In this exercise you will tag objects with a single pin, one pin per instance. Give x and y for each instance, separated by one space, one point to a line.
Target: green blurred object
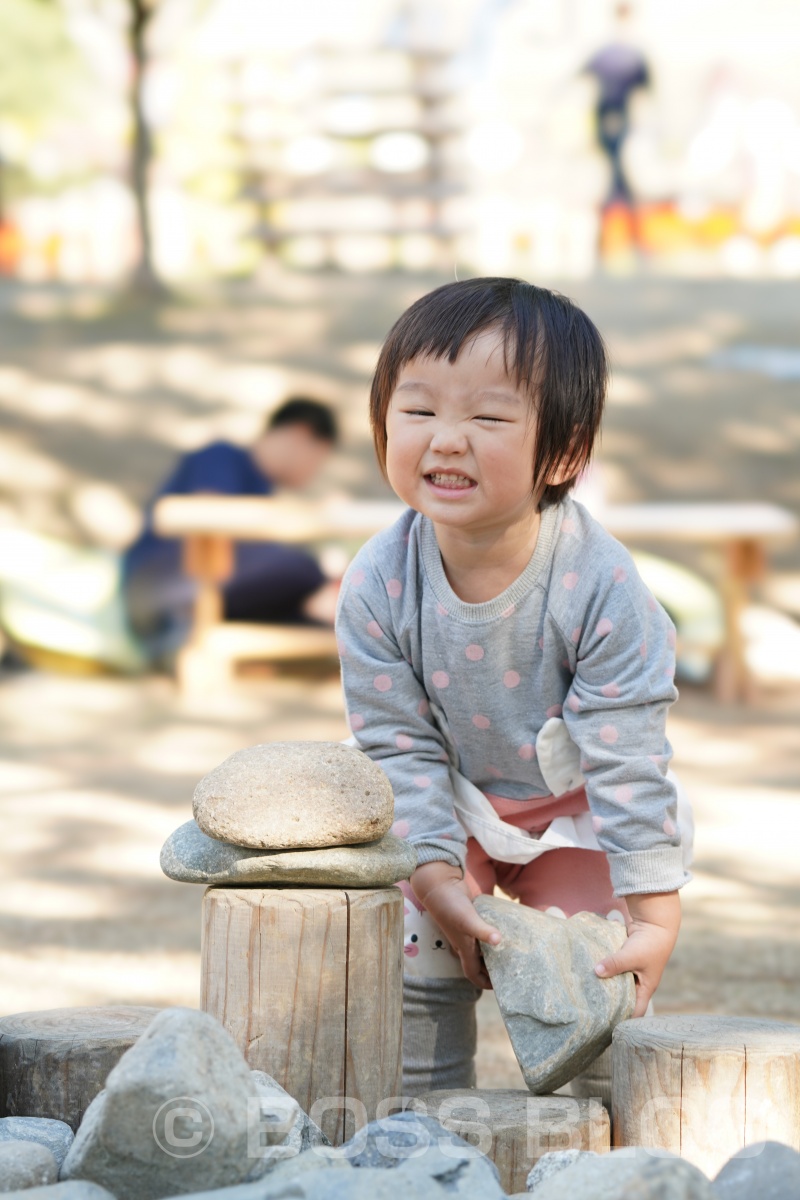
695 608
61 604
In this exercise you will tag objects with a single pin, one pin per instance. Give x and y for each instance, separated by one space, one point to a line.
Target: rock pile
291 813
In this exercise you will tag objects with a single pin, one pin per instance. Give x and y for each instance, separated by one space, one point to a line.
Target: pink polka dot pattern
441 610
611 690
604 627
511 679
356 722
620 574
570 580
623 794
382 683
374 629
358 577
541 643
671 638
440 679
575 636
495 772
423 708
609 734
395 588
656 758
480 721
401 829
527 751
555 710
669 828
508 612
652 603
574 704
404 742
340 646
597 824
643 649
474 652
567 525
422 781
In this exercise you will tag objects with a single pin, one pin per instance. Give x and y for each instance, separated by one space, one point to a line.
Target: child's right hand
440 888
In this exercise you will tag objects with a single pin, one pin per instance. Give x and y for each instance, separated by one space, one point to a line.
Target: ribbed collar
514 593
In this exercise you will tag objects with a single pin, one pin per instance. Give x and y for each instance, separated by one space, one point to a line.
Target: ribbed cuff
441 851
641 872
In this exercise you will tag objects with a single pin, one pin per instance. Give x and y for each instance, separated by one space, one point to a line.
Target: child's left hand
652 933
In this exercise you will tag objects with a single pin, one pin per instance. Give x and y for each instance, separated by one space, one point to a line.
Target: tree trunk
144 276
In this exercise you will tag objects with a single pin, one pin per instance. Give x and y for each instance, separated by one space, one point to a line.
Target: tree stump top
708 1032
90 1024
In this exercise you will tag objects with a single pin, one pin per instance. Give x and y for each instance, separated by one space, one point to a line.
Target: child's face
461 438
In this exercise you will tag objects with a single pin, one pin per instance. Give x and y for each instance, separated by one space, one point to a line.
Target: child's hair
551 348
300 410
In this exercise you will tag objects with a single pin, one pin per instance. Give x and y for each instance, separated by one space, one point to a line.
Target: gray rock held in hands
558 1013
44 1131
190 856
26 1165
630 1174
291 795
763 1171
179 1112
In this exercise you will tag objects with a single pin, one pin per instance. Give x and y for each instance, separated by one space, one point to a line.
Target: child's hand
440 888
652 933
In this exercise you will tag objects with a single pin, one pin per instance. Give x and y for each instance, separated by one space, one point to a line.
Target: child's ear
571 464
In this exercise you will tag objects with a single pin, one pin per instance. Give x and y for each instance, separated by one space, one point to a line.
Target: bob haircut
551 348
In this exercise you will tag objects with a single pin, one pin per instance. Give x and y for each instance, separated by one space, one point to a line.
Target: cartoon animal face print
426 950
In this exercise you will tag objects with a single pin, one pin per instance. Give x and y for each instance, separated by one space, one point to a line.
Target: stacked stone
290 813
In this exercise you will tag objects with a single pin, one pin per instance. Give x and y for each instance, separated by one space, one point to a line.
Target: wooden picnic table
209 525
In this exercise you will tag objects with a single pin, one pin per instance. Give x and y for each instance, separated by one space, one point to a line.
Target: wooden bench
209 526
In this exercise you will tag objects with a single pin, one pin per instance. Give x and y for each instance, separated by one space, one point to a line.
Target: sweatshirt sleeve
390 717
615 711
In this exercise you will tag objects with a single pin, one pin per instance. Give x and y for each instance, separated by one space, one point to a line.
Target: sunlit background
209 205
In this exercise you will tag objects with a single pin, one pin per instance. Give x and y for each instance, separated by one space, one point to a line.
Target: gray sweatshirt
577 635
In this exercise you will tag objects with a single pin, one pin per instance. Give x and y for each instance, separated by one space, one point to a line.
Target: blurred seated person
270 582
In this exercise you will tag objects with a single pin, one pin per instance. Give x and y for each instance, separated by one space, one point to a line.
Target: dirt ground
95 772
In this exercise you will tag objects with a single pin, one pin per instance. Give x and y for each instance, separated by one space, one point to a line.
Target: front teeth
452 480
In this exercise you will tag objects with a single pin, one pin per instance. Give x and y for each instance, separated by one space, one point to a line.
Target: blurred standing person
270 581
619 68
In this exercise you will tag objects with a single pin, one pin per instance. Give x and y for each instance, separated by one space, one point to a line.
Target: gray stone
55 1135
178 1112
303 1135
370 1183
190 856
559 1015
293 795
426 1150
630 1174
78 1189
26 1165
763 1171
552 1163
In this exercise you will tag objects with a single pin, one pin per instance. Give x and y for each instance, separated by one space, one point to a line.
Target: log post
514 1128
308 981
53 1063
705 1086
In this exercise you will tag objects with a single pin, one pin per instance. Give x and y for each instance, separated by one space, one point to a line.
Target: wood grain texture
705 1086
515 1128
53 1063
308 981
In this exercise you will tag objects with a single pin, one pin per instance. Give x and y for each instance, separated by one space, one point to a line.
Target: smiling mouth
451 480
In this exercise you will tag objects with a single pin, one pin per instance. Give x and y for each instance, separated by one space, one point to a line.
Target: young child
501 658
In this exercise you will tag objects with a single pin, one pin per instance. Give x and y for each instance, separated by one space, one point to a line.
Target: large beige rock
559 1015
286 795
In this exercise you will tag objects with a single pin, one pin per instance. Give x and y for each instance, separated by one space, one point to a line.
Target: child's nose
448 439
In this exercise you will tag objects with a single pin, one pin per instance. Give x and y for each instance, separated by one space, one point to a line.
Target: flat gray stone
553 1163
763 1171
55 1135
420 1149
26 1165
630 1174
179 1112
190 856
295 795
370 1183
78 1189
559 1015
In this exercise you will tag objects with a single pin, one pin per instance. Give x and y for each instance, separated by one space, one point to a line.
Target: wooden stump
309 983
54 1063
705 1086
515 1128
